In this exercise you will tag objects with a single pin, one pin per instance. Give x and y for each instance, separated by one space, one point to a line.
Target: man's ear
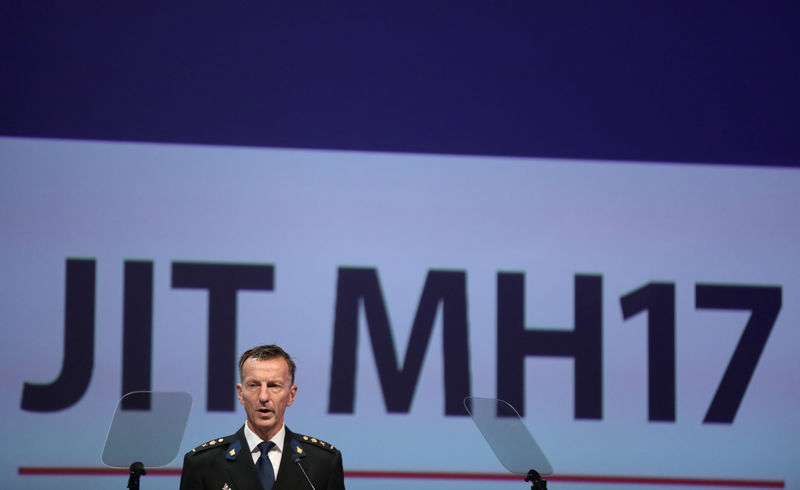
239 392
293 391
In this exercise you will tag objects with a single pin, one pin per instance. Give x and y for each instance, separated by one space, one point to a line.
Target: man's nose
263 394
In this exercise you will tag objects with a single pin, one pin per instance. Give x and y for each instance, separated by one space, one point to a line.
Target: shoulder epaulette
316 442
212 443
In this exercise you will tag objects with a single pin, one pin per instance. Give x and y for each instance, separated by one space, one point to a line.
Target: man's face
265 391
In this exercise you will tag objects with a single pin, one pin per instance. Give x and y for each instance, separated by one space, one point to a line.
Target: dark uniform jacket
226 463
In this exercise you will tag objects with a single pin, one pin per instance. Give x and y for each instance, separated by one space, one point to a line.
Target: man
235 462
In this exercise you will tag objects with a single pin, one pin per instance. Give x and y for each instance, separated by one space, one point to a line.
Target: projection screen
646 330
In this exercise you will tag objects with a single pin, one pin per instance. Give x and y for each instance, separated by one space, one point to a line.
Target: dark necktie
264 466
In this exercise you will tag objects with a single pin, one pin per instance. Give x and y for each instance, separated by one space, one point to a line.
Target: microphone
297 460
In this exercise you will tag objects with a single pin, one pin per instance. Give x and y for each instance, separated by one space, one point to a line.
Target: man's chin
263 424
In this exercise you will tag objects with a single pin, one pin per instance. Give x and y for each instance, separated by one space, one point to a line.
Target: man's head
266 388
264 353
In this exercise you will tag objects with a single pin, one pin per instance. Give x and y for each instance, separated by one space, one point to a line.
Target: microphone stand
137 470
297 460
536 480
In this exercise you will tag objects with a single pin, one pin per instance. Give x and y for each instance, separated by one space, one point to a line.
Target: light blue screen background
310 212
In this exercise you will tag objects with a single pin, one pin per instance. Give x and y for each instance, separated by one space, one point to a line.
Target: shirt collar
253 440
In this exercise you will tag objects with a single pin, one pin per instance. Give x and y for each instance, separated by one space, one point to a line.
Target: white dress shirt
274 454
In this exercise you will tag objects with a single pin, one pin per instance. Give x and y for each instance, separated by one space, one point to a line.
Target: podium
510 440
146 431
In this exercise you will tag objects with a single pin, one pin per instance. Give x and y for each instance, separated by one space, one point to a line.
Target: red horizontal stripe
712 482
72 471
425 475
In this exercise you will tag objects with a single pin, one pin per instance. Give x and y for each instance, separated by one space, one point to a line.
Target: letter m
360 286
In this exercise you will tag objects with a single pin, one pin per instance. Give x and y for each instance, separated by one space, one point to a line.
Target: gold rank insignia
317 442
232 452
226 487
214 443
